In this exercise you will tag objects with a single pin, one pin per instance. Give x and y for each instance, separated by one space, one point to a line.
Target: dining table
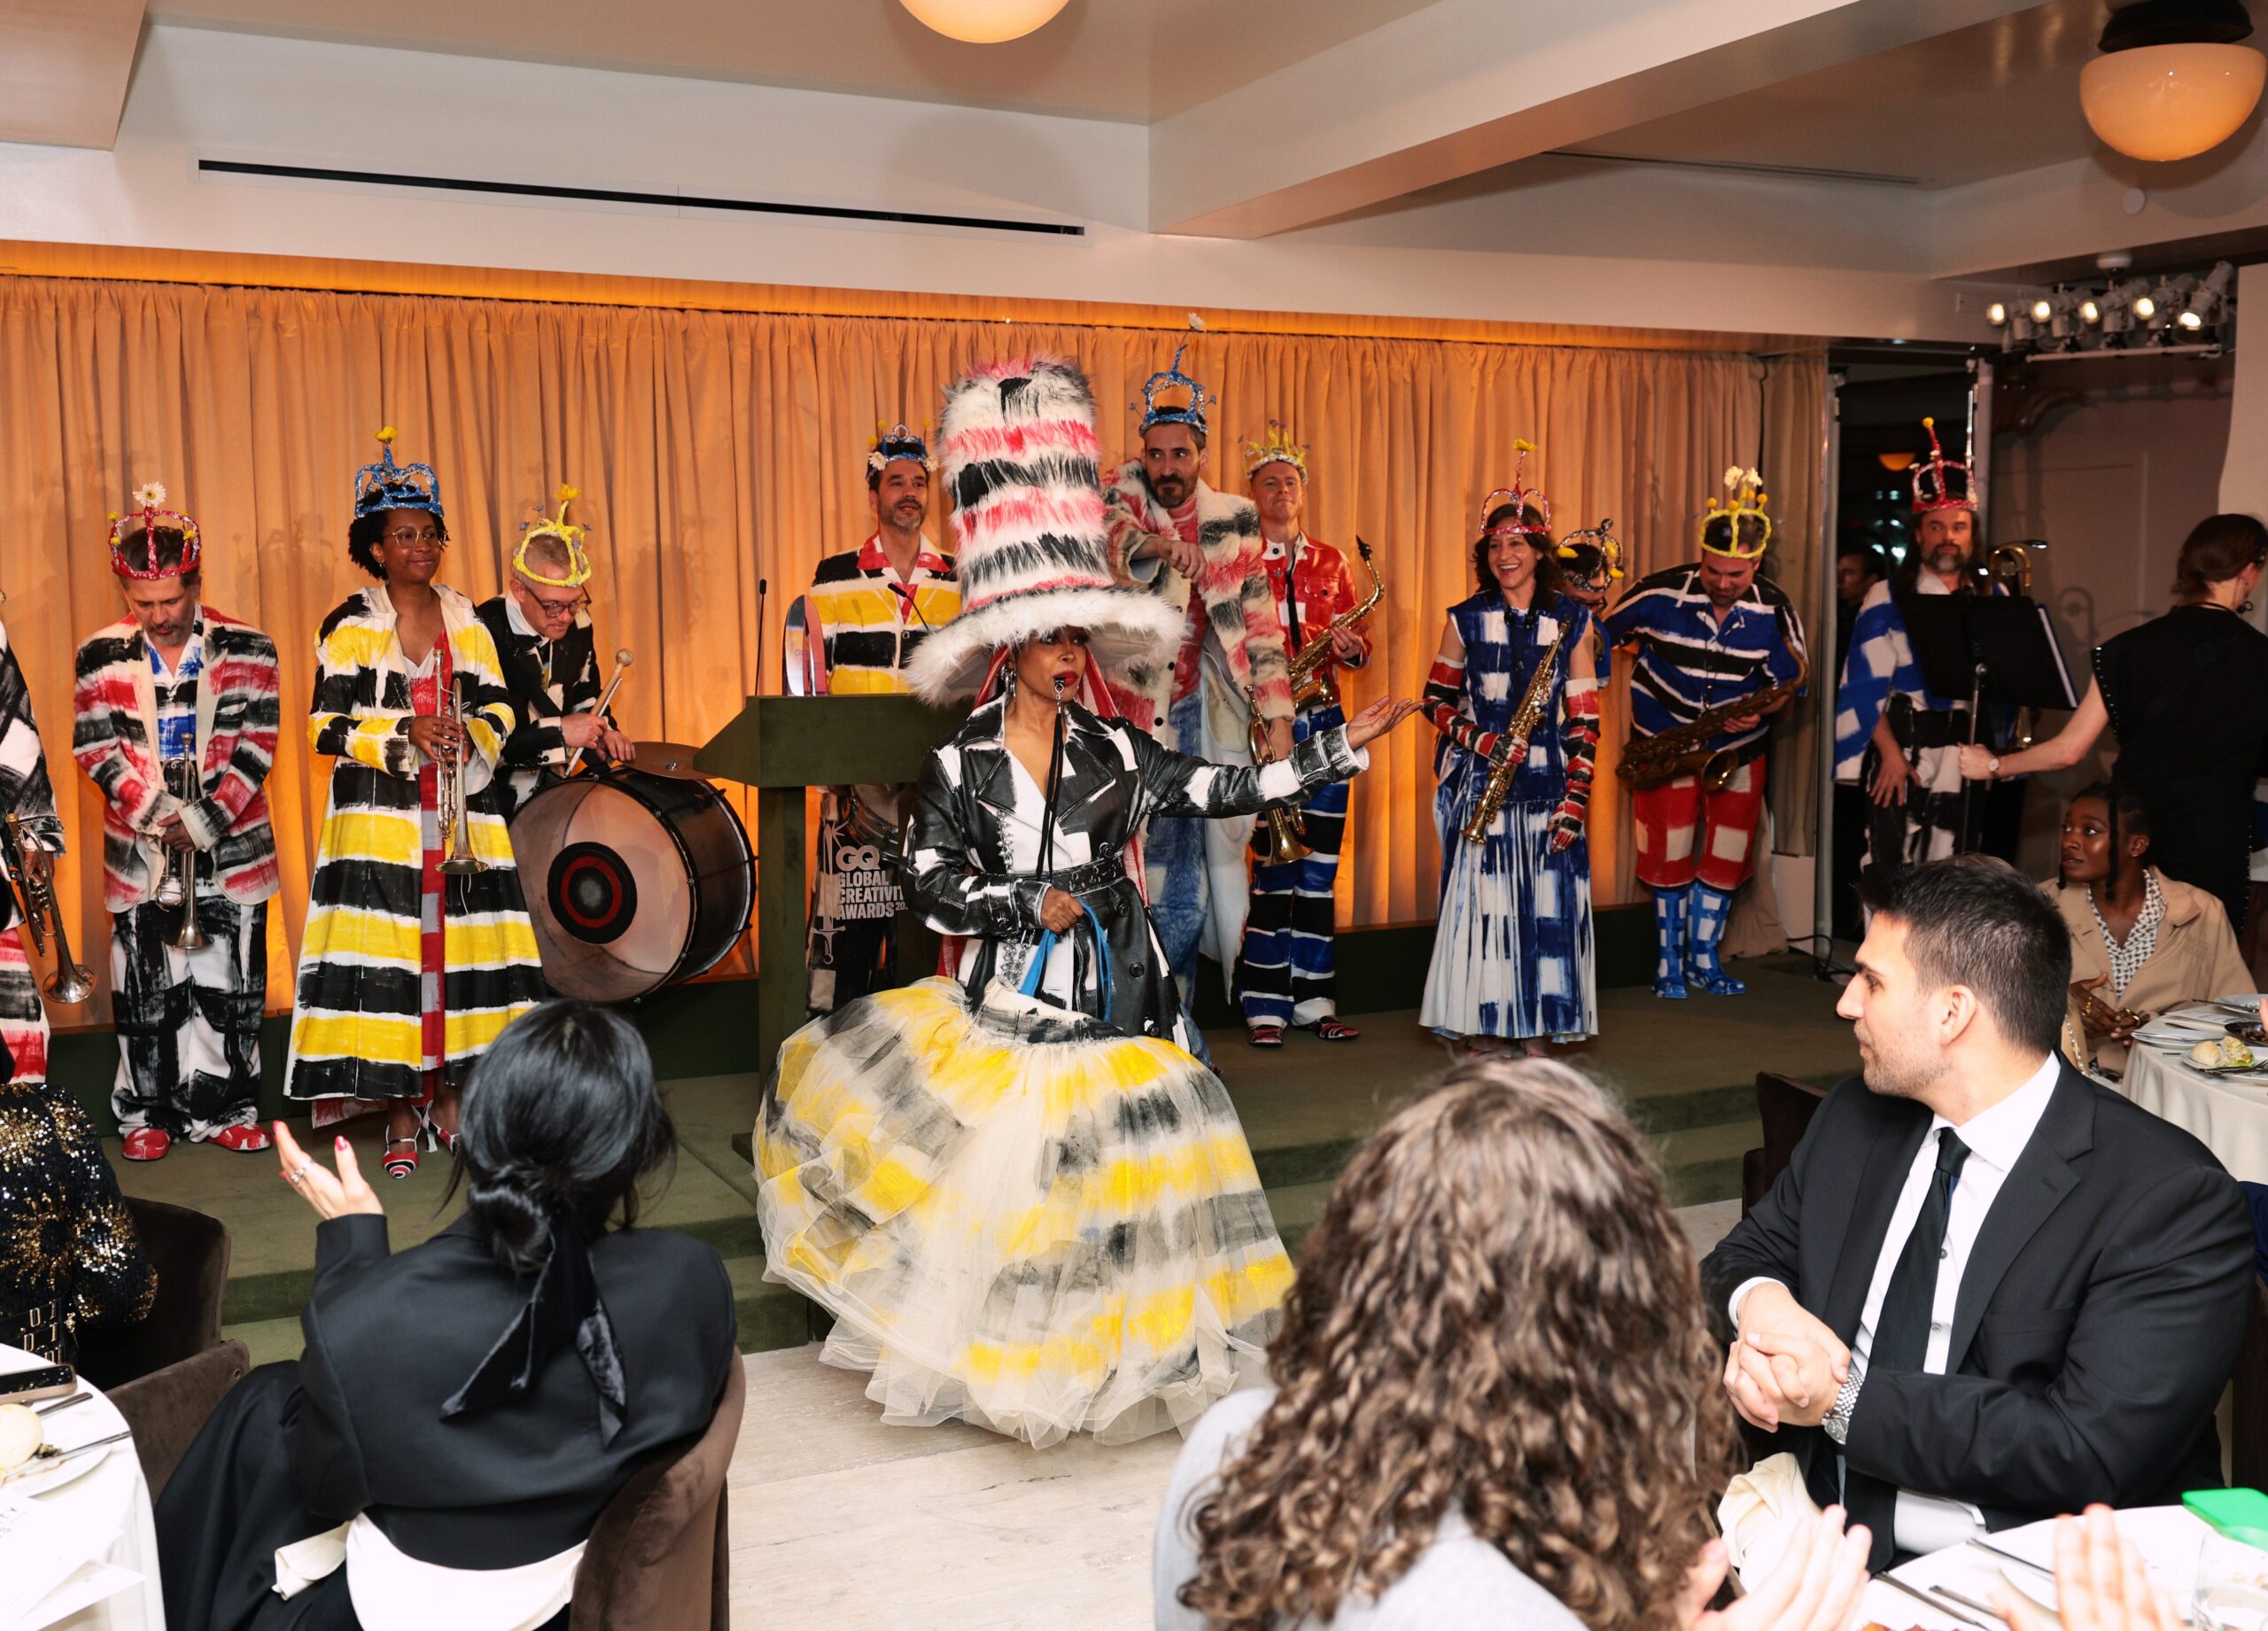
78 1546
2227 1114
2169 1539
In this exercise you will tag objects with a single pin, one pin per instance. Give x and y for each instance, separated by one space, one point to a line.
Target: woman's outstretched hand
330 1194
1376 720
1816 1587
2101 1584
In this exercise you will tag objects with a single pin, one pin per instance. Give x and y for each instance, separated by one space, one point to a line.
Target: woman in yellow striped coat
406 974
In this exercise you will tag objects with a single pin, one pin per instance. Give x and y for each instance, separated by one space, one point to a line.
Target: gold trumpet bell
1280 839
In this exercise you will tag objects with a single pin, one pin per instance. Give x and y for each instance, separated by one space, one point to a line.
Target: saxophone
1503 765
1311 665
1683 749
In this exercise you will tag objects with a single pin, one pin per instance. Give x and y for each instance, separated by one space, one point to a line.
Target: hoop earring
2246 606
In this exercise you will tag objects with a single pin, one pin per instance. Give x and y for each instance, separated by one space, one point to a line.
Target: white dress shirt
1995 1139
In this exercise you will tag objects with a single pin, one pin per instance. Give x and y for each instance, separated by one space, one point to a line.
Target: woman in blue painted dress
1512 966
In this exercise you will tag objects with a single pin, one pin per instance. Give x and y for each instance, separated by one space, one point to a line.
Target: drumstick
622 660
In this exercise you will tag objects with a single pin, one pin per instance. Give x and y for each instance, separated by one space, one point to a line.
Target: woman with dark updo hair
465 1407
2187 694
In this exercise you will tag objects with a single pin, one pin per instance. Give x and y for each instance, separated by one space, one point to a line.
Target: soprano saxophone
1311 665
1504 763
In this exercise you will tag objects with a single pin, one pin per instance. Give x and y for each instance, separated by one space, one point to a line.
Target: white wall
203 94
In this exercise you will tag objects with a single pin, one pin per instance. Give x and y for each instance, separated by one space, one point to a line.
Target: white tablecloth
112 1500
2169 1538
2228 1115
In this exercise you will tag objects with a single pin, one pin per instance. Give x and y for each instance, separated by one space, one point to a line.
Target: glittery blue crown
1190 413
387 486
898 441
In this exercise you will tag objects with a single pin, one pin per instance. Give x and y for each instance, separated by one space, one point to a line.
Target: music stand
1999 650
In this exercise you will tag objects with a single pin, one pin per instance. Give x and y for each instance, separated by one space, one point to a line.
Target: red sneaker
147 1143
243 1140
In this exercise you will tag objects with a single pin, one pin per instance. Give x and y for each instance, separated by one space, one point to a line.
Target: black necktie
1902 1334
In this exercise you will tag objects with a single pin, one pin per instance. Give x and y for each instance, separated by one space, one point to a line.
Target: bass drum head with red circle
633 881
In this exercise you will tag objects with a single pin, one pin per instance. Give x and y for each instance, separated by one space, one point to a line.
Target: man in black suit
1986 1289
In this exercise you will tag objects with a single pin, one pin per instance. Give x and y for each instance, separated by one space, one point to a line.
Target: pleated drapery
716 449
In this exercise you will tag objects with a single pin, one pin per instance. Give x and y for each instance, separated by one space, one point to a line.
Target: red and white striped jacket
113 738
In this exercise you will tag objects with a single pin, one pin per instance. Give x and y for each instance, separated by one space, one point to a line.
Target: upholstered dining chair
658 1559
190 1252
169 1407
1785 1106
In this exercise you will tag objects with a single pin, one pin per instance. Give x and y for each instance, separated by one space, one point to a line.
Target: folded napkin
1764 1509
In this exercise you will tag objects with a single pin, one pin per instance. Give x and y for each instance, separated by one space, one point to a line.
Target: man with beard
1201 551
1986 1289
868 611
1893 736
177 714
1708 633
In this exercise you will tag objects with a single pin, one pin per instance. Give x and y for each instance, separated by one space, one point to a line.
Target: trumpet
72 981
178 888
1311 664
1287 833
451 798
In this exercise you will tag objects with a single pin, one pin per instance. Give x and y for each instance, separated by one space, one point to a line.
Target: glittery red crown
150 498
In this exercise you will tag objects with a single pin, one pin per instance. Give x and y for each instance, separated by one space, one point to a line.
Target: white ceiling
1128 60
1995 99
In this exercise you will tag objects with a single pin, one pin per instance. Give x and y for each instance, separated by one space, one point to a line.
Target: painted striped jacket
238 710
1240 601
25 793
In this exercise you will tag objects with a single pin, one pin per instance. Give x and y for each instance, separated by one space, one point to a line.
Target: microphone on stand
763 585
913 604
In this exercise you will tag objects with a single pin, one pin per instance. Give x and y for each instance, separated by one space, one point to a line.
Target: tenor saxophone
1311 679
1683 749
1504 763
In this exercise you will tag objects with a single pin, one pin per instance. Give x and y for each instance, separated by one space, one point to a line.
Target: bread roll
21 1436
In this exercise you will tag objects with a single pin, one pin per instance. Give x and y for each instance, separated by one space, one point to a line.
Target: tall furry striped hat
1021 460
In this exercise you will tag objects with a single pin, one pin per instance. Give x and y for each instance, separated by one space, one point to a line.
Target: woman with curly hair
1497 1398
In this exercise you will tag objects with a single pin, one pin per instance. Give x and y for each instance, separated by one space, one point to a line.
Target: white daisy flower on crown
150 494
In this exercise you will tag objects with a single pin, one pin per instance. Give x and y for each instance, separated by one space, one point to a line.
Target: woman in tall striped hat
1023 1200
406 974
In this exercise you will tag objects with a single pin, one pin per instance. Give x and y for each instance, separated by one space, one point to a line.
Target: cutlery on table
1920 1595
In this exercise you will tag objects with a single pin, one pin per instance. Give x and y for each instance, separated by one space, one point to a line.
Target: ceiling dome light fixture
2172 81
984 22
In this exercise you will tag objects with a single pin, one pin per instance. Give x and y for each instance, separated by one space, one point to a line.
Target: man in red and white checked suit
177 713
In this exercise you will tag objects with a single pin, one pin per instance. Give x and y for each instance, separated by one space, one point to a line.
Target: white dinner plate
2040 1588
41 1482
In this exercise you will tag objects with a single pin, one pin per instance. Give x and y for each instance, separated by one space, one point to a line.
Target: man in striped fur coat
1200 550
177 714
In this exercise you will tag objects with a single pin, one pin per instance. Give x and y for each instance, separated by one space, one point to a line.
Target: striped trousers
1287 968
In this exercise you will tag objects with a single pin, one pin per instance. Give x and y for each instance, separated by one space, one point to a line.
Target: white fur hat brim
1125 626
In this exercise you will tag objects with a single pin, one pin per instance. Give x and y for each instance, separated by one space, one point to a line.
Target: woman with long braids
1025 1202
406 974
1497 1399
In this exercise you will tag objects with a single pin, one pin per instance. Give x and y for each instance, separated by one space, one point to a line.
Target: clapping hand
1816 1587
330 1194
2099 1583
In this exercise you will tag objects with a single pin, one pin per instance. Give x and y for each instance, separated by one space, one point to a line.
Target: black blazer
2097 1323
390 1338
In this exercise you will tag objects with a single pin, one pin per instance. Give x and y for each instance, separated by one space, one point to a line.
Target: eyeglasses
560 609
420 535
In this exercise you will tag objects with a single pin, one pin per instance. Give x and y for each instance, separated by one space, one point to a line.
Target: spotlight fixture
2090 312
2121 304
2172 81
1996 314
2176 312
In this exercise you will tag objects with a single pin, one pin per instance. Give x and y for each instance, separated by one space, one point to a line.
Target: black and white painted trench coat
973 848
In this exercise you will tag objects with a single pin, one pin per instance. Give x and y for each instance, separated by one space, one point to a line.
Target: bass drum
634 881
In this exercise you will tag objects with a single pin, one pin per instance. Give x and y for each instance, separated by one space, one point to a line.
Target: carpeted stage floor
1685 1070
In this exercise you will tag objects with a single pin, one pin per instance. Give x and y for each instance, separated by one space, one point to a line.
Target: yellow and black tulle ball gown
1035 1212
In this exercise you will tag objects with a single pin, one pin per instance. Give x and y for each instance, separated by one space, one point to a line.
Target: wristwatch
1993 768
1837 1419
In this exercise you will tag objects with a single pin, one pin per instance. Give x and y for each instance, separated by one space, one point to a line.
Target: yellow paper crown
579 564
1276 447
1739 529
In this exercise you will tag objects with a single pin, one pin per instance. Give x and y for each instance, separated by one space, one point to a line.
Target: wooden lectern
781 746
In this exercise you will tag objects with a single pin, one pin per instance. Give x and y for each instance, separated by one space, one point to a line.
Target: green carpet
1685 1071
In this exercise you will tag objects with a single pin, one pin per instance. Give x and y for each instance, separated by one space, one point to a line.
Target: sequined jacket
1114 780
69 1256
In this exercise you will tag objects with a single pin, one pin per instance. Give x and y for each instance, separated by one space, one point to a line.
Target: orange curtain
716 449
